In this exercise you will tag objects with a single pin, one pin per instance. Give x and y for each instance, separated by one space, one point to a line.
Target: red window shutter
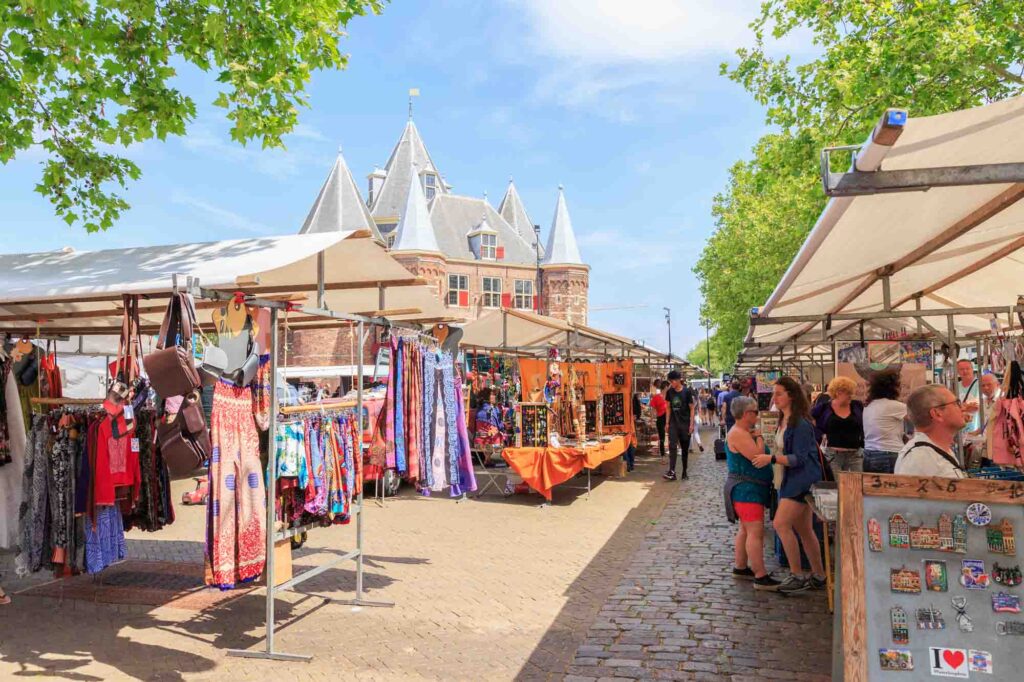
464 299
501 253
506 300
534 302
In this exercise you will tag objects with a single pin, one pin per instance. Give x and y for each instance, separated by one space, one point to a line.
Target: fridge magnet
874 535
1000 538
904 580
972 574
896 659
979 661
935 577
963 621
1010 627
945 533
960 534
930 618
979 514
1004 602
900 630
945 662
1010 576
899 532
924 537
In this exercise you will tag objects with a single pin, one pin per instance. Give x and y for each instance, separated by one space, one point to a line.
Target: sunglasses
749 411
957 402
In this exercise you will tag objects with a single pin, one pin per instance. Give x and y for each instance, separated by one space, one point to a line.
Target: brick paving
616 586
676 614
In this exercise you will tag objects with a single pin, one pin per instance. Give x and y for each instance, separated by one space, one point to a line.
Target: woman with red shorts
747 493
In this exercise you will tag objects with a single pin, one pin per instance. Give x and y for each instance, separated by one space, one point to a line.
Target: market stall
245 291
895 277
566 393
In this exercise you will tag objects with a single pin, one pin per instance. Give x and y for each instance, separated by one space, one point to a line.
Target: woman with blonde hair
839 425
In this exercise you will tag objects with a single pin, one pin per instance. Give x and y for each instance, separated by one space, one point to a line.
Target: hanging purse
171 369
183 438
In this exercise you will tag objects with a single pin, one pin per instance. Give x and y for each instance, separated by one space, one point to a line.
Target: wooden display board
929 546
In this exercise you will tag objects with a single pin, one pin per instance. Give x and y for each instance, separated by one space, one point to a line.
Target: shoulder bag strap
945 455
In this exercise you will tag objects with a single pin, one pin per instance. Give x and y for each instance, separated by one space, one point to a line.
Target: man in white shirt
967 390
937 416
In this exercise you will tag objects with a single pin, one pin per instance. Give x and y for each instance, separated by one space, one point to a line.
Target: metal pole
272 481
359 426
707 343
540 277
321 272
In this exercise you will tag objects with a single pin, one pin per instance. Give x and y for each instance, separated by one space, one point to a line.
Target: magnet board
866 587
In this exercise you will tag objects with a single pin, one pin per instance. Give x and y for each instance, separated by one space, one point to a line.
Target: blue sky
620 102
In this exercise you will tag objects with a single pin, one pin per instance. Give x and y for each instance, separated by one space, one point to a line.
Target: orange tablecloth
544 468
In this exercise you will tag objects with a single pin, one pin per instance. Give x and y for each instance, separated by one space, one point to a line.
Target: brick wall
565 293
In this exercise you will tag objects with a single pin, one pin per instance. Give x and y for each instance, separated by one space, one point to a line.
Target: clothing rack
269 652
65 401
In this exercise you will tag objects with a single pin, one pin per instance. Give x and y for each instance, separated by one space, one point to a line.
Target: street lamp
668 320
536 248
707 344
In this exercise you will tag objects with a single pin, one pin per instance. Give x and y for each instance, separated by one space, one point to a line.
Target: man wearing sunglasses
937 416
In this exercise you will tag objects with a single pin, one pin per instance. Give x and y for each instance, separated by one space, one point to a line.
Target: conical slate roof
408 159
339 206
415 230
562 248
514 213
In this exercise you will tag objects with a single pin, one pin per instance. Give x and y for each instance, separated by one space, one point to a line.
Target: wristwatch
774 460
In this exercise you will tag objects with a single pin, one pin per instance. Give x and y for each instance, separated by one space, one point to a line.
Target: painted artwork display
860 362
766 381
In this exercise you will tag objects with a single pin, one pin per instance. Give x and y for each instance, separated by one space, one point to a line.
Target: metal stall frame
270 652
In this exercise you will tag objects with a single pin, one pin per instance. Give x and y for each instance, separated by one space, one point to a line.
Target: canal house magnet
874 535
905 580
900 630
1000 538
899 532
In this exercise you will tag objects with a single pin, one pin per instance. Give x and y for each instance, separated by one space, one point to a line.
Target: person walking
660 406
885 419
841 423
748 493
938 416
681 413
797 451
725 400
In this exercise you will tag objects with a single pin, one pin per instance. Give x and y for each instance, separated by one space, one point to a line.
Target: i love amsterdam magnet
944 662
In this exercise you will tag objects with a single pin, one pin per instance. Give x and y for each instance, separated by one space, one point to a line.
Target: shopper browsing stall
884 423
990 394
793 519
682 410
747 493
937 416
490 425
840 423
967 392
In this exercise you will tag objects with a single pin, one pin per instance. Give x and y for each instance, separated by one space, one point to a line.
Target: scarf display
318 473
424 421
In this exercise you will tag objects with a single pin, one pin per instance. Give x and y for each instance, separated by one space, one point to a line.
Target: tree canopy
698 355
928 56
83 79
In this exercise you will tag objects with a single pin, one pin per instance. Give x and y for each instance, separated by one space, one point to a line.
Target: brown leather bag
171 369
183 438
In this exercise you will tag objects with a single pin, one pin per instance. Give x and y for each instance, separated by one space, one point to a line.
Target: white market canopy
526 333
950 247
79 292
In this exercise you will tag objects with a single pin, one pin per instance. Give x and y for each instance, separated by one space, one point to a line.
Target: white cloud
613 32
277 163
304 131
224 219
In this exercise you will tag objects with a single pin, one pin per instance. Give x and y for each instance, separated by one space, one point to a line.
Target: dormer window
488 247
391 239
429 185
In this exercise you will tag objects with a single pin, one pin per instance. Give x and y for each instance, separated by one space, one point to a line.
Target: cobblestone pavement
677 614
490 589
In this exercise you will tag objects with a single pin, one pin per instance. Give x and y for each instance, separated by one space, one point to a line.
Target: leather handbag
183 438
171 369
